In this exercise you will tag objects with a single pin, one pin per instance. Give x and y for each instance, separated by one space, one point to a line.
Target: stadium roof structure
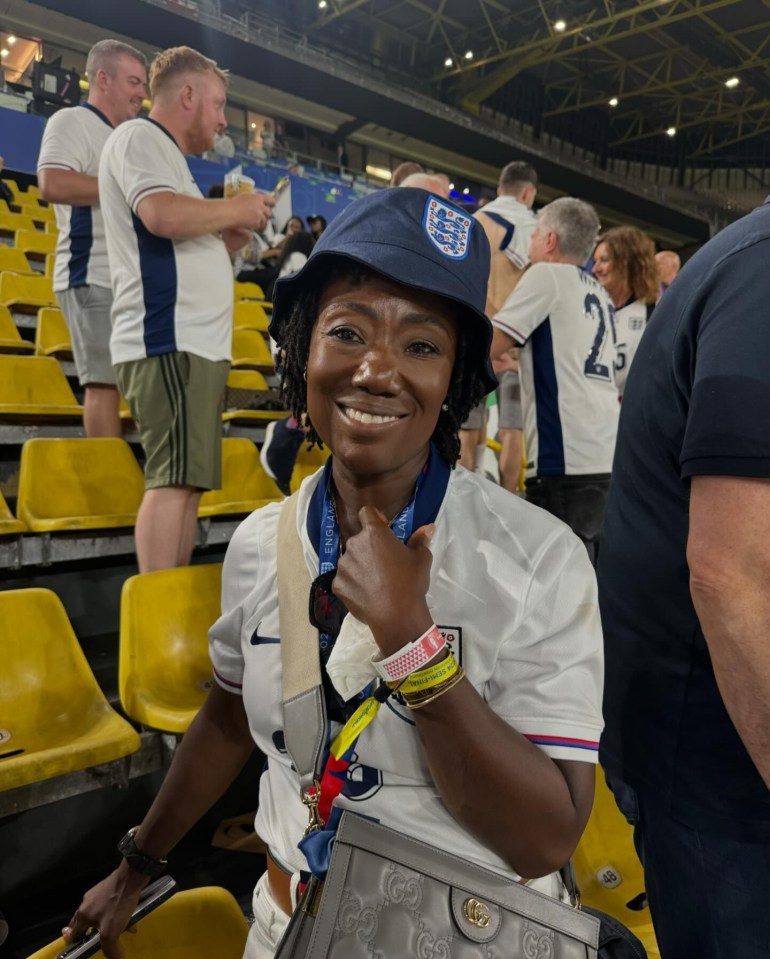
621 73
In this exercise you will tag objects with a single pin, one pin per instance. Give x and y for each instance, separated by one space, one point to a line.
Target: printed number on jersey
594 368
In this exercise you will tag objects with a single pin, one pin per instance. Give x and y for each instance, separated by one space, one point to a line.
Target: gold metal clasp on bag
310 798
476 913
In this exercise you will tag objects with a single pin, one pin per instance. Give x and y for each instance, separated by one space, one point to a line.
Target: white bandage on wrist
411 657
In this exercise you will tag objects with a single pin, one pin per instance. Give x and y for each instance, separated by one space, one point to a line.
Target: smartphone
280 186
152 896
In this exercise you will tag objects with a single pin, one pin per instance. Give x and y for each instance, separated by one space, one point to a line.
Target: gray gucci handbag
387 896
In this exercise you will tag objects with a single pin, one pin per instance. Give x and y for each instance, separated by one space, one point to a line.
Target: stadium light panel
448 62
469 54
3 53
11 40
614 102
560 26
732 83
322 4
671 131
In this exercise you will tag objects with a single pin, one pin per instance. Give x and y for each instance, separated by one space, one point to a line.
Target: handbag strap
304 709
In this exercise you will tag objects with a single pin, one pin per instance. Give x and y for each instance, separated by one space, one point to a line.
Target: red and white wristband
411 657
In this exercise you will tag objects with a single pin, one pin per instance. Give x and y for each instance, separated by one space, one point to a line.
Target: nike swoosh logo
257 640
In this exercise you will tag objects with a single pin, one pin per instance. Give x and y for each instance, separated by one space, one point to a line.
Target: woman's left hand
383 582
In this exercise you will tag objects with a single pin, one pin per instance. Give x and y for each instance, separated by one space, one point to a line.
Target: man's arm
180 217
728 552
68 186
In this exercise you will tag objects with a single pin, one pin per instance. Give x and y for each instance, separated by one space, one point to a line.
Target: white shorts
86 311
270 920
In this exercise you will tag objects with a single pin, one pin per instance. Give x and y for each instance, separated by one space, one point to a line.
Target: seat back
52 337
10 338
31 240
18 289
48 694
165 670
251 349
68 484
205 923
13 260
245 484
250 316
247 291
33 382
11 222
9 525
307 462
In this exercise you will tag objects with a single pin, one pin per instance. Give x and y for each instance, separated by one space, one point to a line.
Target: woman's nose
377 371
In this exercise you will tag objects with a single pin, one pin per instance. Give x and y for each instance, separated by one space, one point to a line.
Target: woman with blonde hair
624 264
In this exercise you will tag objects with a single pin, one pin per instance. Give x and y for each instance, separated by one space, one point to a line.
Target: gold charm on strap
310 798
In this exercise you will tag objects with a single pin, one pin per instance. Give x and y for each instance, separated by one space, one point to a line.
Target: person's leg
706 892
161 527
471 436
510 430
101 410
189 529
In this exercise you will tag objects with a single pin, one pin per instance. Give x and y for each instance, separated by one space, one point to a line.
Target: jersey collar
98 112
168 133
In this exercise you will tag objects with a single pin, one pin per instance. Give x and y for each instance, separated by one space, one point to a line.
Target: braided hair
465 387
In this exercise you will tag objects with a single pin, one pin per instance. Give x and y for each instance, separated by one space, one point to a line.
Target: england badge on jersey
449 229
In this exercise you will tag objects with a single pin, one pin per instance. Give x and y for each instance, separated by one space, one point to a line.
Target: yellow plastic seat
72 484
11 222
50 264
54 717
245 484
245 383
307 462
35 242
250 351
205 923
9 525
248 315
52 228
35 388
24 293
247 291
37 213
52 338
10 338
32 192
608 870
164 670
14 260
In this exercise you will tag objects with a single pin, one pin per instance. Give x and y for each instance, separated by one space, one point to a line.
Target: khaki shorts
86 311
177 400
508 406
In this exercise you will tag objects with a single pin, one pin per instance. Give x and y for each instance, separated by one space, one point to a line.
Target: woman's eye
344 333
422 348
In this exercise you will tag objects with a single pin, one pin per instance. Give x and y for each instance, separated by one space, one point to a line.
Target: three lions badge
449 229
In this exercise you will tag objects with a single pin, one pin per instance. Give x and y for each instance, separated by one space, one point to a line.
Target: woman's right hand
108 907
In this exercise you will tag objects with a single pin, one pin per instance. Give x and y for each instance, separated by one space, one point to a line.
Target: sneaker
279 451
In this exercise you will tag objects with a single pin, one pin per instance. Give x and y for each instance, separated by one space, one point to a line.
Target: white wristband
412 657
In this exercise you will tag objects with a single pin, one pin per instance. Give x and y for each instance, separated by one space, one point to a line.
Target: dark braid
465 388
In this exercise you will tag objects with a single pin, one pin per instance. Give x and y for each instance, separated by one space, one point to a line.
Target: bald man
668 264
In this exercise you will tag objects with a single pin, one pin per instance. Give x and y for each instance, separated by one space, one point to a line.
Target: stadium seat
250 351
35 388
52 228
35 242
53 715
11 222
307 462
37 213
164 669
10 338
76 484
244 387
26 294
248 291
608 870
52 338
50 264
193 924
13 260
250 316
9 525
245 484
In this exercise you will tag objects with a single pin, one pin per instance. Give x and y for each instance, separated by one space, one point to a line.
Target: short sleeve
63 146
518 249
549 675
137 169
528 305
727 432
240 573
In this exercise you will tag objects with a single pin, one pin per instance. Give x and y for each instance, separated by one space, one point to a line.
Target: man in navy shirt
684 581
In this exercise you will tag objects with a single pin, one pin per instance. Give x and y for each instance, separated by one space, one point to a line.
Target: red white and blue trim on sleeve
227 683
566 741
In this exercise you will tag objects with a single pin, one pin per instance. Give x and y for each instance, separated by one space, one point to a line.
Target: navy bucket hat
414 238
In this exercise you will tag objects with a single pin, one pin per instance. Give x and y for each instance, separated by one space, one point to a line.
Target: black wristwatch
137 860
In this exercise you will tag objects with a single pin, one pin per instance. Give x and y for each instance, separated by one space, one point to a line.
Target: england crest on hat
448 228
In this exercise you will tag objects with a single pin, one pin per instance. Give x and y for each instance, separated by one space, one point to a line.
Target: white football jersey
564 320
169 295
519 223
512 589
630 322
73 139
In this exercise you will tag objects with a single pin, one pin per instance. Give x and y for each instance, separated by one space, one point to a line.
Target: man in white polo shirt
173 294
67 171
563 320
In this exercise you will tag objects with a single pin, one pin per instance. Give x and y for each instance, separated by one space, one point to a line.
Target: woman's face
604 268
380 365
293 226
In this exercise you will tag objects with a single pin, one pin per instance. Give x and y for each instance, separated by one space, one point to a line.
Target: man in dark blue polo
684 582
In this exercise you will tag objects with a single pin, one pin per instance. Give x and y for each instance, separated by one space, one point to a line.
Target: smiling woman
421 572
